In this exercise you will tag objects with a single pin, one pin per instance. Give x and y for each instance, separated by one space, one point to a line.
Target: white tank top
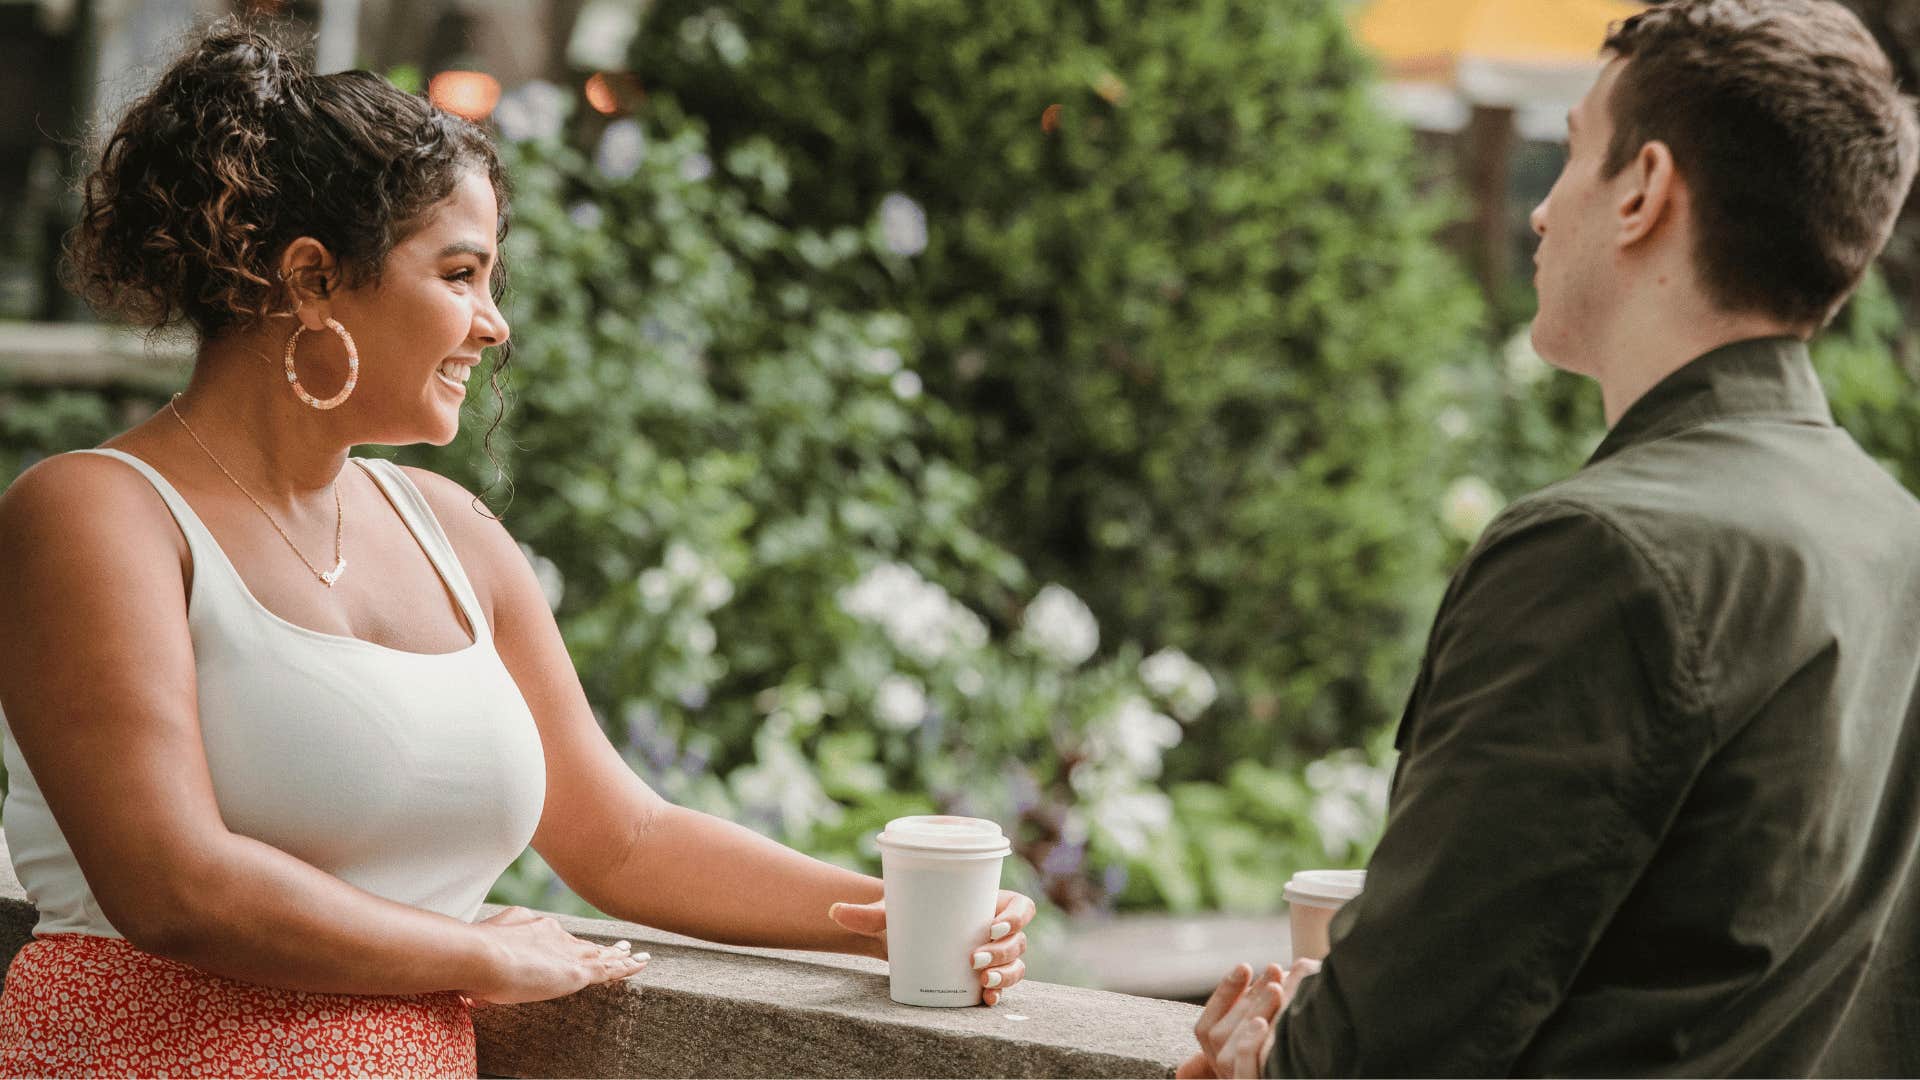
416 777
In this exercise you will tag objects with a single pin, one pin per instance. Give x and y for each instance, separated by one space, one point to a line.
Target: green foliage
1191 331
38 421
767 573
1873 396
1545 423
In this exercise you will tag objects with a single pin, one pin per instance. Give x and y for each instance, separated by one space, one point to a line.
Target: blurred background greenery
1061 413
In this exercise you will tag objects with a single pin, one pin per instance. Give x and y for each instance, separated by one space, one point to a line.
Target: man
1656 810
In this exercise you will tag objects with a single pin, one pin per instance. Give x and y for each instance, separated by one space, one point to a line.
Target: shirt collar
1764 378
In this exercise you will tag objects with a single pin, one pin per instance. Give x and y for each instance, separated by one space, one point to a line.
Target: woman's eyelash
465 274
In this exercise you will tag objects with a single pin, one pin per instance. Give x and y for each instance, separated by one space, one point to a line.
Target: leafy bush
1873 396
1545 423
1168 267
768 576
36 421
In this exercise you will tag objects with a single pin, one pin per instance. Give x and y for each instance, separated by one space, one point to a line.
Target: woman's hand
538 960
998 959
1236 1028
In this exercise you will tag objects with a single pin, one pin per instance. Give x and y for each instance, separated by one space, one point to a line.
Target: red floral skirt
85 1005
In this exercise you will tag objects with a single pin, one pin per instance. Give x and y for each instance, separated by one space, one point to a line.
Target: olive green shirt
1658 802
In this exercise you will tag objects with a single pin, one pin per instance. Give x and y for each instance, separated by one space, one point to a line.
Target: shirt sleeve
1547 746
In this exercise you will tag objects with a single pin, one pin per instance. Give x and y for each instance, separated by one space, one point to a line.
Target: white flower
1350 800
656 590
532 110
807 706
1059 626
1523 365
969 682
1340 824
919 617
623 146
1139 735
1468 506
906 385
601 34
1453 422
1129 819
881 361
781 783
715 590
1186 686
586 215
712 27
903 225
900 703
701 638
552 585
696 167
683 562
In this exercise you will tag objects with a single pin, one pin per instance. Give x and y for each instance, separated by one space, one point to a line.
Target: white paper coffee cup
1312 898
942 877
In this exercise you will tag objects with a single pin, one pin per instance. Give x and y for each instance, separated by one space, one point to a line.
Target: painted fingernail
640 957
981 959
623 944
993 978
999 931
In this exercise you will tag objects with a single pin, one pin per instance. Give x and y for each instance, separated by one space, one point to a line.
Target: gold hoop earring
353 367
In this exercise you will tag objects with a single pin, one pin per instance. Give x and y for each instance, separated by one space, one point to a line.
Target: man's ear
310 274
1652 196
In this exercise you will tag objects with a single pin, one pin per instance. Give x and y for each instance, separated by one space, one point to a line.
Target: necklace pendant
333 575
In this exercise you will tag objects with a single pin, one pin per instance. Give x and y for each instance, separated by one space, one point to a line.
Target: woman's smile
455 373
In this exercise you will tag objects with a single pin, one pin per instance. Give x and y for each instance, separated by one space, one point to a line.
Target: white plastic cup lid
1324 888
945 834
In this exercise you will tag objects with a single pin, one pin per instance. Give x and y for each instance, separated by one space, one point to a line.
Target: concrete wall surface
707 1010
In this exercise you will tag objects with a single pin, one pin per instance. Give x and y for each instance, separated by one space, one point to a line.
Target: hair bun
244 59
237 150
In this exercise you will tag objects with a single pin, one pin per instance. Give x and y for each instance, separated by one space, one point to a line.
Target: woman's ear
310 274
1651 199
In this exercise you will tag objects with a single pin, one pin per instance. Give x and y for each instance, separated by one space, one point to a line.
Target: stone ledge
706 1010
90 354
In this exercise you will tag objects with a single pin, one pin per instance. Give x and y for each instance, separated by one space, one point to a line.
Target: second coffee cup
942 878
1313 896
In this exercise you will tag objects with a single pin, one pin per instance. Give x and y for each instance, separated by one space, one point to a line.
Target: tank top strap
208 557
420 521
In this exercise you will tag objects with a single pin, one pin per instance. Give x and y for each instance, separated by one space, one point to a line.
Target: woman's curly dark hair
241 149
237 151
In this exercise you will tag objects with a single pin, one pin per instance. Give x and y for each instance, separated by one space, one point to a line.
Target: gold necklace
327 577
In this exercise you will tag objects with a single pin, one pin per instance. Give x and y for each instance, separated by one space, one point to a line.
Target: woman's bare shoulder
87 512
477 534
75 492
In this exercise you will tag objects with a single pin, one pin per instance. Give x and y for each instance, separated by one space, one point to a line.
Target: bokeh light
613 92
600 94
471 94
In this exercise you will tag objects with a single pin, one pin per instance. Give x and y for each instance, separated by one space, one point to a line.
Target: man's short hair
1784 118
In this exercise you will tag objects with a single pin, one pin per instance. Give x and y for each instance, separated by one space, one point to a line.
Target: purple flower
1064 860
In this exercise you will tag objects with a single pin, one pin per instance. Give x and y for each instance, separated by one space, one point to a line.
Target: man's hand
1235 1029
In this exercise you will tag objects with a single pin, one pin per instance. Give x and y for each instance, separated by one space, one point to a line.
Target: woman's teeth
455 375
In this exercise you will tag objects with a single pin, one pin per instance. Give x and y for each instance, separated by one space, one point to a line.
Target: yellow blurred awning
1428 39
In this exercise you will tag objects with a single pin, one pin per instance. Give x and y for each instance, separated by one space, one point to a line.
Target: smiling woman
274 725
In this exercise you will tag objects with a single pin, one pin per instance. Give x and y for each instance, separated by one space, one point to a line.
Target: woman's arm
622 847
609 836
97 682
699 875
